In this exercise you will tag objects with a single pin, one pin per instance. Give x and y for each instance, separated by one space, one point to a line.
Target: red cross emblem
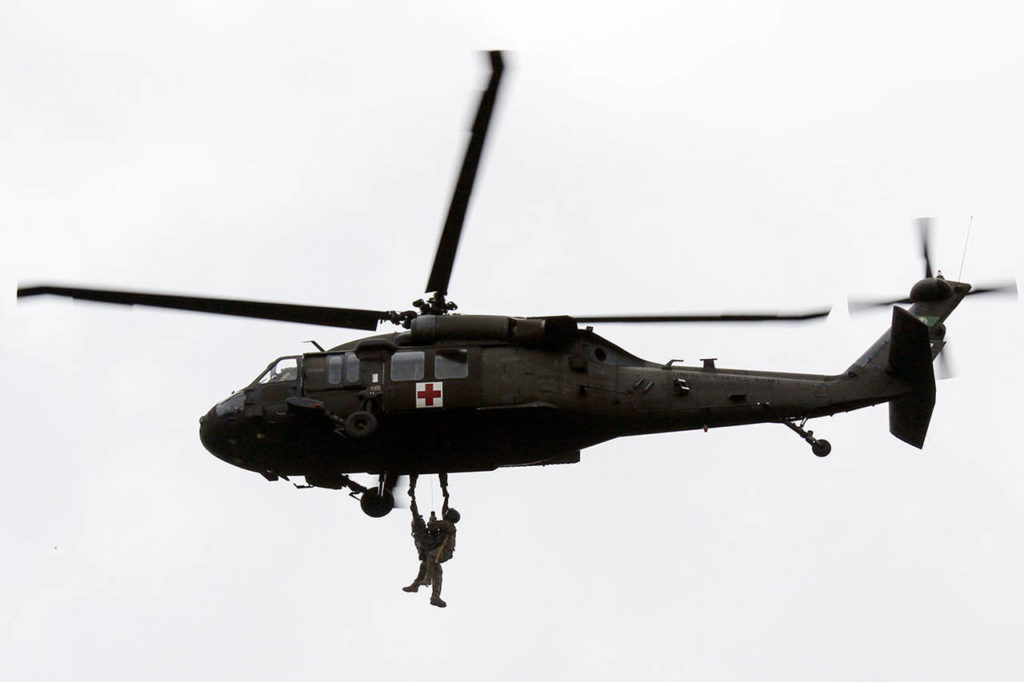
430 394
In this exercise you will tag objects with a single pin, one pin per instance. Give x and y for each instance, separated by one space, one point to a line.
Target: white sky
644 158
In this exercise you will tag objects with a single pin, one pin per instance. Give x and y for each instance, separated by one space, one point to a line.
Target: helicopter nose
216 435
218 428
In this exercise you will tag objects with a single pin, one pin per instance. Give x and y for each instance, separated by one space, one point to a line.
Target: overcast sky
644 157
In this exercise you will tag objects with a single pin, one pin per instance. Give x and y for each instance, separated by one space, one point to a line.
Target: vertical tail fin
903 356
910 360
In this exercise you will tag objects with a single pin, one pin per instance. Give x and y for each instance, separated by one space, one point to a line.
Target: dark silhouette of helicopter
451 392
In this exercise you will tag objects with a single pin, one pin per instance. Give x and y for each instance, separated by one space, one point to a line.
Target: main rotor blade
445 256
727 317
349 318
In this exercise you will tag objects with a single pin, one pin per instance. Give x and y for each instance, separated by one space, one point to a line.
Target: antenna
960 277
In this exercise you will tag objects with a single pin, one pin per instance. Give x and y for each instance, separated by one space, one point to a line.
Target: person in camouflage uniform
435 542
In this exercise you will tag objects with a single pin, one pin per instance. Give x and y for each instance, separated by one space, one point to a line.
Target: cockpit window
231 405
285 369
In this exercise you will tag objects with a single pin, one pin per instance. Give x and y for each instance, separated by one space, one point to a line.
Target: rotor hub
437 304
931 289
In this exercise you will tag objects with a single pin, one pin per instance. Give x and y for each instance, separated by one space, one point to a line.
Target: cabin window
351 368
407 365
451 364
343 367
285 369
335 368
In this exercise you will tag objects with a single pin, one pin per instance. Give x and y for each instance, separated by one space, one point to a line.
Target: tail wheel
821 448
360 424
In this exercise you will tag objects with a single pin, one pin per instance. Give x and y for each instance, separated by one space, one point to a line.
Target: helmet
452 515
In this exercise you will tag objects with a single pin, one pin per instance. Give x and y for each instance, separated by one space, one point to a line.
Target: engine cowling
428 329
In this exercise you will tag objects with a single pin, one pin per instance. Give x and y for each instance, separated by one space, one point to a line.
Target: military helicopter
455 393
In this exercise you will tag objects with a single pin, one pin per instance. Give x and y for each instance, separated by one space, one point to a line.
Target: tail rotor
934 286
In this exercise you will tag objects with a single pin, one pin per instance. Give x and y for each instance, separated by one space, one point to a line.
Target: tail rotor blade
924 226
946 370
858 306
1004 288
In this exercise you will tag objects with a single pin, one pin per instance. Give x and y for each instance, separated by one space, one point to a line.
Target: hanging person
435 542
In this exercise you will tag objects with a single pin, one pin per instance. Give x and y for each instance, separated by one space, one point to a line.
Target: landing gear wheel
376 504
360 424
819 447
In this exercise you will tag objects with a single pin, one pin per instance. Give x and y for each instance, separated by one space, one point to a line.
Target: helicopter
450 392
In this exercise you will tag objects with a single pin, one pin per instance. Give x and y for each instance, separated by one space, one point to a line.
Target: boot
435 594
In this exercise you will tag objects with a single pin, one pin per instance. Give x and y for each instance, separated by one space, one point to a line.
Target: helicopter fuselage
477 404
